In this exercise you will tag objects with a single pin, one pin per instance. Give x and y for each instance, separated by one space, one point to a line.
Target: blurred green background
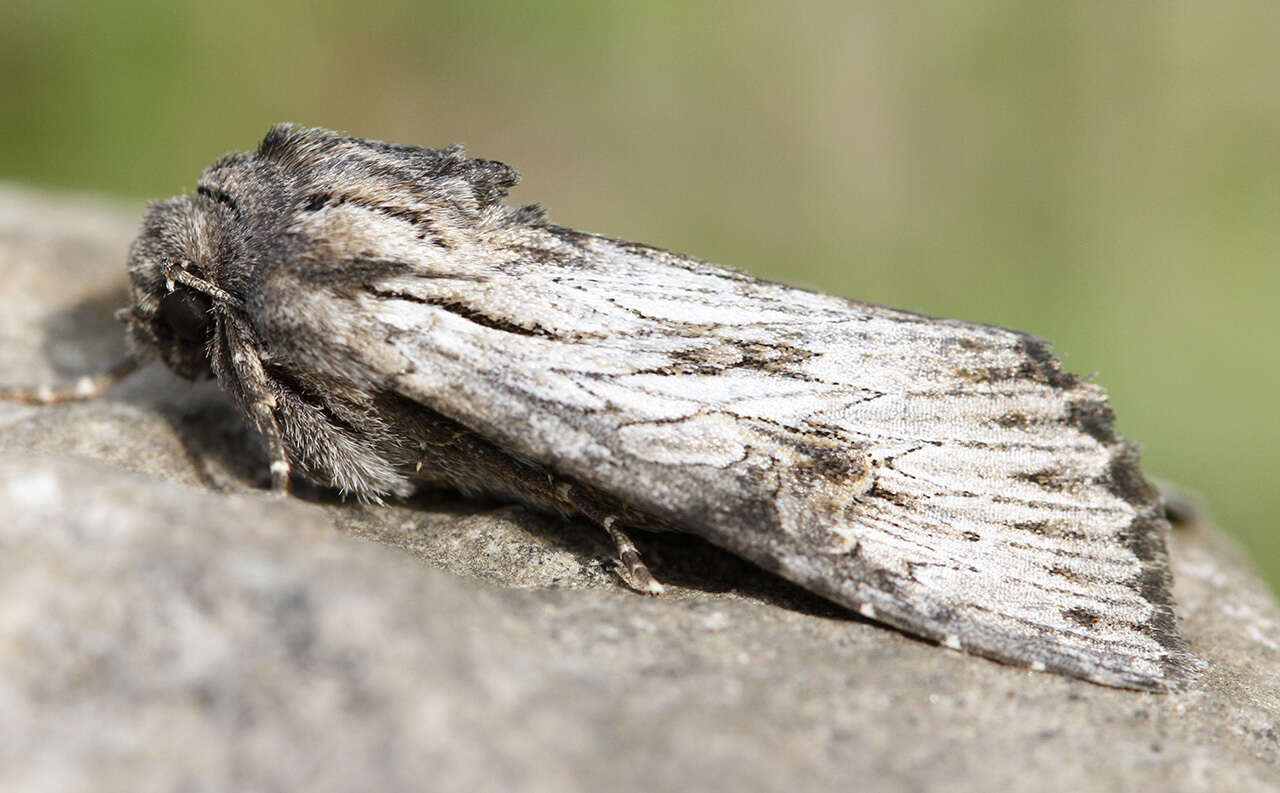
1105 175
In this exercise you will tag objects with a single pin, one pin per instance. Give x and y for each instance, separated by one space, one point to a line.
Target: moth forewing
384 321
950 477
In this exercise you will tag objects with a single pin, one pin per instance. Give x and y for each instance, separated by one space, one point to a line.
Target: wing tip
1170 672
1181 671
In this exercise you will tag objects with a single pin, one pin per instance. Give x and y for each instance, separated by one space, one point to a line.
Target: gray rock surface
165 624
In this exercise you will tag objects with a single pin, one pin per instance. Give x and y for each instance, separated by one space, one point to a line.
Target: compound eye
187 312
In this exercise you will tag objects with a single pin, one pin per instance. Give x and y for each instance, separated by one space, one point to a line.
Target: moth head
171 313
195 258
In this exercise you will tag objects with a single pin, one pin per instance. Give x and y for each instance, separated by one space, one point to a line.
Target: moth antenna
84 388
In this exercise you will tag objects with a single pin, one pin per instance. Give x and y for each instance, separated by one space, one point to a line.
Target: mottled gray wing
942 477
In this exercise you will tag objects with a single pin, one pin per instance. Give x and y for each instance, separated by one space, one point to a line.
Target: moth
384 321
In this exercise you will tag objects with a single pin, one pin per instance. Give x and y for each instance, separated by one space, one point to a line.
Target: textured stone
165 624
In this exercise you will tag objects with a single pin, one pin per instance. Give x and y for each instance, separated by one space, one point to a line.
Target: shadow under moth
385 322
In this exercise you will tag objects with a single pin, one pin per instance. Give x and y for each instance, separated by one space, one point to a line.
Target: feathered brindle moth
384 321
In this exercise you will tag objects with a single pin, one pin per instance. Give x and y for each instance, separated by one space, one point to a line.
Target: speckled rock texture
167 625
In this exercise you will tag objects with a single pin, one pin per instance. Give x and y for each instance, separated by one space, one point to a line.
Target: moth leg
82 390
257 396
180 275
443 443
632 569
